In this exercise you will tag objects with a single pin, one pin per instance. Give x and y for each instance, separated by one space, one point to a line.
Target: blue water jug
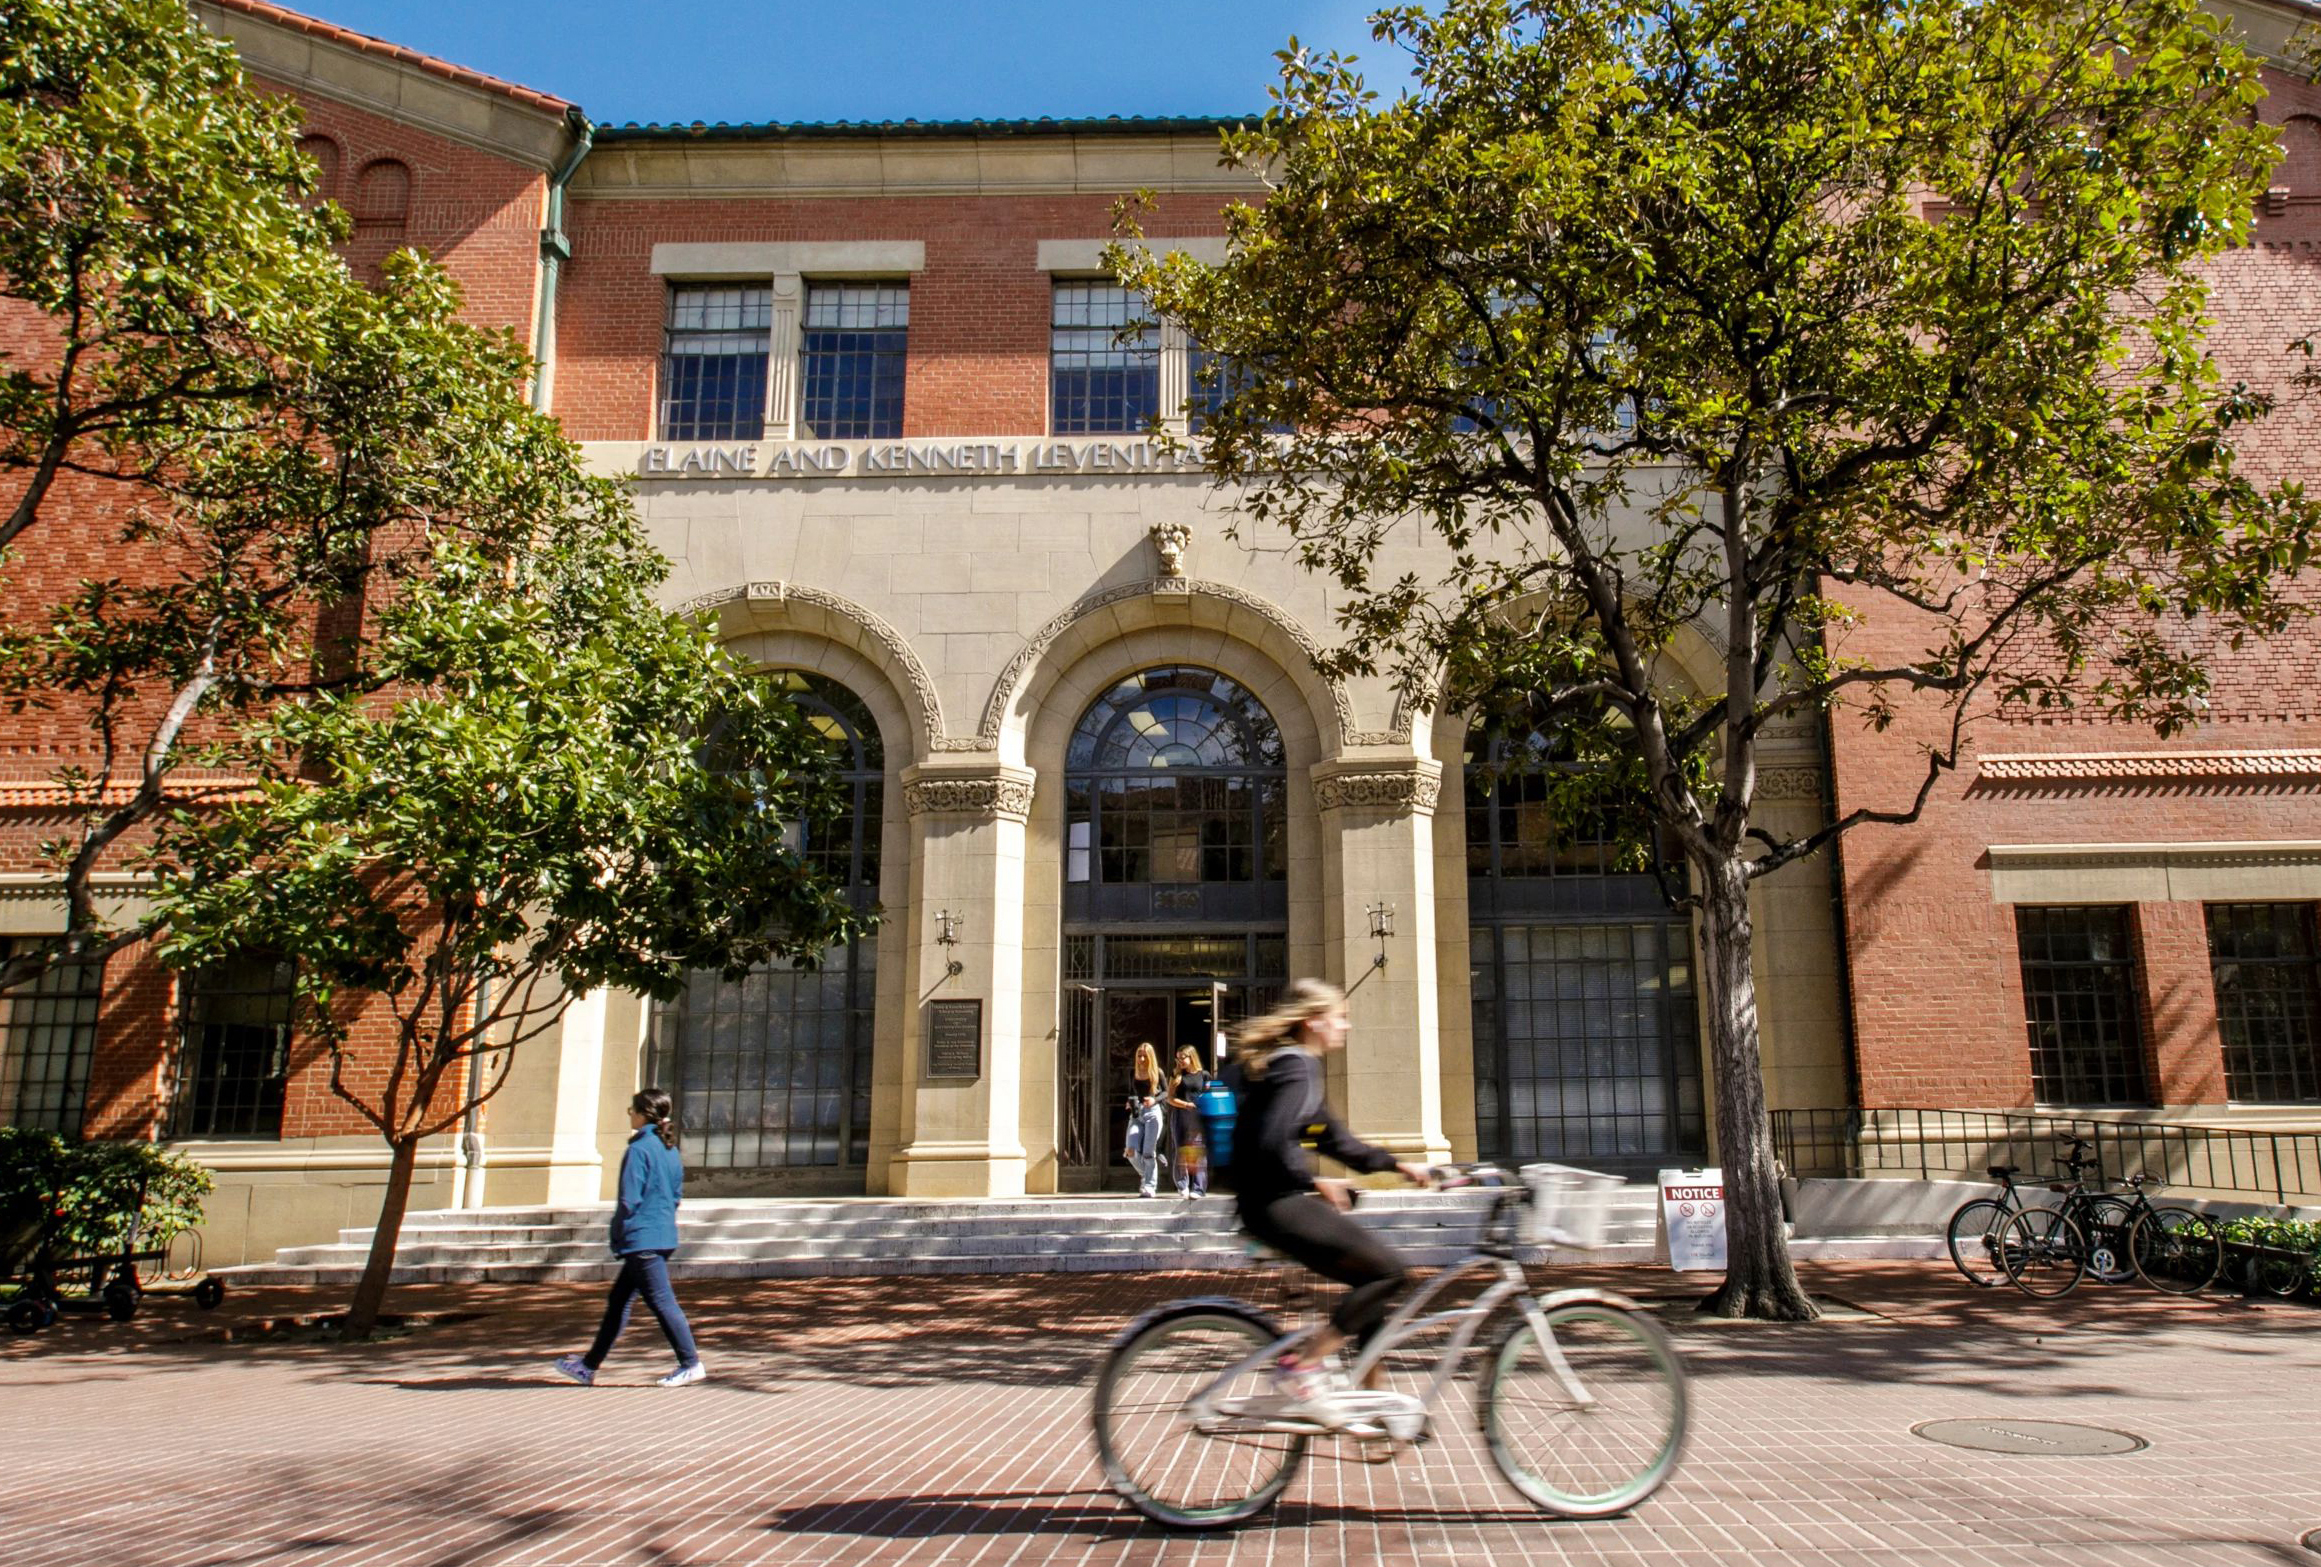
1220 1108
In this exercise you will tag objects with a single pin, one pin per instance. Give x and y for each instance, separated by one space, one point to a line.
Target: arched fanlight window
845 847
1175 779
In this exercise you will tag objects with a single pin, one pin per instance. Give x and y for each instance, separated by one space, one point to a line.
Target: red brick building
865 378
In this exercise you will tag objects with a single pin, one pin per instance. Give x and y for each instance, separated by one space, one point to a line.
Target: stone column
789 292
1378 847
960 1137
1176 374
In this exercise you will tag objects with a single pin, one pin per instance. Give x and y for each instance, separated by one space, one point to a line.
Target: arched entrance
1587 1036
1175 889
772 1072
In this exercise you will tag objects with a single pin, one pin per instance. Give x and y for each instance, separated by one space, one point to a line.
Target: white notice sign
1692 1219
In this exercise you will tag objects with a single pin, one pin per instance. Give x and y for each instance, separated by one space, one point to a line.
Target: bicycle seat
1999 1172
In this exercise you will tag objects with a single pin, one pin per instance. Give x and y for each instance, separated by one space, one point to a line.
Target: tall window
1212 379
772 1072
855 353
48 1033
2268 999
2079 1002
1175 802
713 363
235 1053
1587 1029
1103 359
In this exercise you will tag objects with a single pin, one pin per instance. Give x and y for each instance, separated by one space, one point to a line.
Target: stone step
822 1267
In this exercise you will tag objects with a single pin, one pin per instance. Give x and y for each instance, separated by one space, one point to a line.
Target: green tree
1753 317
194 370
565 788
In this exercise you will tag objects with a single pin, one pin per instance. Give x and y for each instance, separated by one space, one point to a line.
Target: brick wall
1936 982
979 312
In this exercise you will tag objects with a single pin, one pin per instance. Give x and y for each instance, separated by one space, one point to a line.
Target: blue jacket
652 1184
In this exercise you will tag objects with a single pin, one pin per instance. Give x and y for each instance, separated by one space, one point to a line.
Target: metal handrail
1950 1143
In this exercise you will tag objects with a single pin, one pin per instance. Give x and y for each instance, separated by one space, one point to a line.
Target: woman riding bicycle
1281 1204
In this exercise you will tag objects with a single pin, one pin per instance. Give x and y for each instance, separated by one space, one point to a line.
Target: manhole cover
2059 1438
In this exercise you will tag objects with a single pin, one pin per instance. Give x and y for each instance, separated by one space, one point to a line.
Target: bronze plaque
955 1039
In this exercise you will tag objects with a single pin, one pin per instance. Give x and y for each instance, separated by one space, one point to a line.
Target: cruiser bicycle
1580 1395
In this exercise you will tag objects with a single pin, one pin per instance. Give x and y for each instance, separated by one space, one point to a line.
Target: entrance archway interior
1175 892
1587 1032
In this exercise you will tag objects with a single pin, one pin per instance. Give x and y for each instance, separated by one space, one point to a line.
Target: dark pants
1336 1246
647 1271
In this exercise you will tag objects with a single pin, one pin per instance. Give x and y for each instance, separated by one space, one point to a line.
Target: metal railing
1963 1144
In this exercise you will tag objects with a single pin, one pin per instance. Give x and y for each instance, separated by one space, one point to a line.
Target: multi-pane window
235 1054
48 1033
2268 999
1513 827
713 363
1175 776
1103 359
772 1071
2079 1002
1587 1040
1212 379
855 353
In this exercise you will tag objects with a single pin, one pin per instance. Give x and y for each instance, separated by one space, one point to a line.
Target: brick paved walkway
945 1421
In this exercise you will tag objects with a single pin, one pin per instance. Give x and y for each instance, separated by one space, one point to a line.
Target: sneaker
683 1375
575 1368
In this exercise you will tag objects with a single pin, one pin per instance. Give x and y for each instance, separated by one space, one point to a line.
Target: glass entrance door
1120 992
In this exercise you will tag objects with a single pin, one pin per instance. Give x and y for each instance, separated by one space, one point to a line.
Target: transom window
1103 359
48 1035
2079 1003
856 352
713 363
235 1054
2268 1000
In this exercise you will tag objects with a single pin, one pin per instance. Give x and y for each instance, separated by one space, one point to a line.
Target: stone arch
747 611
1216 615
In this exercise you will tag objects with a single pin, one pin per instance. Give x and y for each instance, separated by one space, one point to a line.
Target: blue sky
870 59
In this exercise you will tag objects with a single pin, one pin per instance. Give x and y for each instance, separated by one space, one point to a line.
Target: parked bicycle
2046 1251
1973 1232
1581 1397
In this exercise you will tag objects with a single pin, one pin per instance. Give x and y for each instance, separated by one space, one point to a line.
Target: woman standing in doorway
644 1233
1185 1113
1146 1122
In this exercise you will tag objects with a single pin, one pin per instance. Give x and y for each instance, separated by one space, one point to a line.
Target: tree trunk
1759 1279
371 1293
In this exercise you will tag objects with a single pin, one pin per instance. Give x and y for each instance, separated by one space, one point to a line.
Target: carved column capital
1394 788
989 792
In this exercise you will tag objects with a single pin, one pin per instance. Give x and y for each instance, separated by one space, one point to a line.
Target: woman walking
1142 1146
1274 1191
644 1233
1185 1112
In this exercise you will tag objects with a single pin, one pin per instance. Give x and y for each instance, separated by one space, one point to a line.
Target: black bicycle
1973 1233
2047 1251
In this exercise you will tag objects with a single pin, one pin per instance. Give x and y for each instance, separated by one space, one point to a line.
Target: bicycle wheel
2176 1250
2043 1252
1173 1471
1590 1424
2275 1275
2107 1224
1974 1233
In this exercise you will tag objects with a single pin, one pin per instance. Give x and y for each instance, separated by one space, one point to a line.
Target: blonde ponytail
1302 1000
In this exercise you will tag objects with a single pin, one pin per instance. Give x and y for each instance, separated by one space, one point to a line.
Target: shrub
92 1189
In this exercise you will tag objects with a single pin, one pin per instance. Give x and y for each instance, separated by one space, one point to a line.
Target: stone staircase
792 1238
